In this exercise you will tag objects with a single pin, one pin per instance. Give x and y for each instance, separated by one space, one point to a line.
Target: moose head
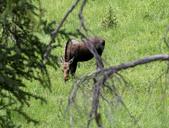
66 68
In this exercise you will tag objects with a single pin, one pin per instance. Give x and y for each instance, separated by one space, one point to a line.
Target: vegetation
20 59
132 30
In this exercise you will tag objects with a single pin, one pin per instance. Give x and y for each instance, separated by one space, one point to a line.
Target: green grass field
139 31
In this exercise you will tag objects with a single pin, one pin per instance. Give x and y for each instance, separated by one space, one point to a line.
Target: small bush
110 19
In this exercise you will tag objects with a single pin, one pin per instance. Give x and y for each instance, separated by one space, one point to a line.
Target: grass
140 28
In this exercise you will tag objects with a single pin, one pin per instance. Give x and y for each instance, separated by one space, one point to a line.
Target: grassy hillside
136 31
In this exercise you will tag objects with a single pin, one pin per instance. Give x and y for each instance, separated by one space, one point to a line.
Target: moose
77 51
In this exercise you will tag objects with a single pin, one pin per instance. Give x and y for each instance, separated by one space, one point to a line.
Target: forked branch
107 72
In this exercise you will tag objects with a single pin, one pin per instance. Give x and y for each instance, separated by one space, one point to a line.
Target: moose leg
73 67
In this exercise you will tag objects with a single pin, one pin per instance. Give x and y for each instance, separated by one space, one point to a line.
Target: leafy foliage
21 57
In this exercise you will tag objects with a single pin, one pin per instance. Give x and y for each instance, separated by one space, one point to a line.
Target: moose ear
71 60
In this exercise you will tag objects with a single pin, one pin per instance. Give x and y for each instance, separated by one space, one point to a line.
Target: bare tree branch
96 90
94 114
115 69
82 24
56 31
92 49
98 85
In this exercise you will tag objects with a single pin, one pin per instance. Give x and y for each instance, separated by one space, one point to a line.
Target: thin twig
6 105
56 31
165 37
150 91
81 18
114 91
93 50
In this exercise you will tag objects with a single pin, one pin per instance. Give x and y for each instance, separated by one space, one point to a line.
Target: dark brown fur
76 51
